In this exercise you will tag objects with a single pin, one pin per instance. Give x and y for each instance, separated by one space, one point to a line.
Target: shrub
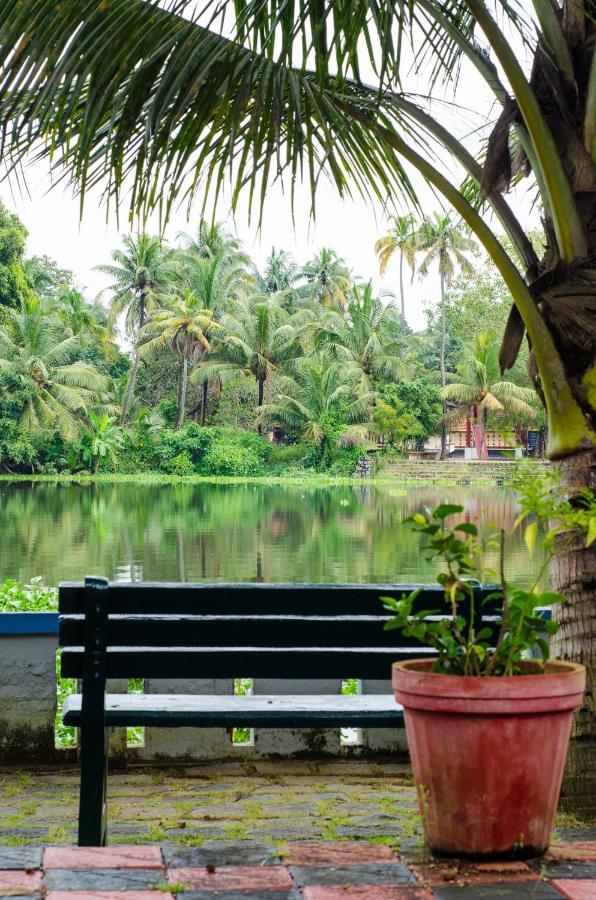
232 459
182 464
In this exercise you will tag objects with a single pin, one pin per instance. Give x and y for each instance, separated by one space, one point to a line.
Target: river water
236 532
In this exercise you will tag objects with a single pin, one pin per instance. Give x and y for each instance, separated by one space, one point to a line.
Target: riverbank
387 471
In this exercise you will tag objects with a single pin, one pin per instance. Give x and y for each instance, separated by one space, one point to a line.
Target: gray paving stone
101 879
566 869
20 857
364 831
386 873
577 833
499 890
221 853
20 896
283 832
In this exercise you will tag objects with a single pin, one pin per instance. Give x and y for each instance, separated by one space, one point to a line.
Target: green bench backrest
227 630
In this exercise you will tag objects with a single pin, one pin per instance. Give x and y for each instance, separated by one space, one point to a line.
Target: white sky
350 227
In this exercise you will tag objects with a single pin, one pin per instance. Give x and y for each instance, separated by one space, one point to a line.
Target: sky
351 227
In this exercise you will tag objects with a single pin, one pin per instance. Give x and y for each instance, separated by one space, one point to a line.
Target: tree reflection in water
210 532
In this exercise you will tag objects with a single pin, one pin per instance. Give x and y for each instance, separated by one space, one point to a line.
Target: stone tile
235 895
497 890
580 889
119 857
107 895
575 850
381 873
576 833
566 868
102 879
461 873
369 892
20 857
232 878
335 854
221 853
14 882
387 829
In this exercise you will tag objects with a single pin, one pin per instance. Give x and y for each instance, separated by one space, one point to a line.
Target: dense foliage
235 372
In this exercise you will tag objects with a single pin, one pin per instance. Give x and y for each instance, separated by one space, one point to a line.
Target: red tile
232 878
503 868
14 882
338 854
467 873
576 888
369 892
108 895
585 850
118 856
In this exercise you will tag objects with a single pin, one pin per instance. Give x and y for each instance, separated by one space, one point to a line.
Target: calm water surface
234 532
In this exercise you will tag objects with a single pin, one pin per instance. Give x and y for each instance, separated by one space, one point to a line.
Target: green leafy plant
465 645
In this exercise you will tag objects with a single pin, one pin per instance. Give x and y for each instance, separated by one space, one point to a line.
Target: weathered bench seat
224 631
264 711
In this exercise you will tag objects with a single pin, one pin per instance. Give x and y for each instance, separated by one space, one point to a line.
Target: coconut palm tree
177 100
257 339
329 278
215 270
301 402
183 324
281 272
364 344
478 385
212 239
402 239
44 357
444 244
139 273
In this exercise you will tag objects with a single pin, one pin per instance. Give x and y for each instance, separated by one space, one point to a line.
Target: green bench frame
155 630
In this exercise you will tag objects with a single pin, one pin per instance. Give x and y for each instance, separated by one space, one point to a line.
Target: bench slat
248 662
281 631
229 599
325 710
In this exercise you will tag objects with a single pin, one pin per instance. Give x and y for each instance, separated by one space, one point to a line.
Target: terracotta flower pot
488 755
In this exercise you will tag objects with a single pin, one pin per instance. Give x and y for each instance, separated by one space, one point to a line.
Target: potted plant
487 723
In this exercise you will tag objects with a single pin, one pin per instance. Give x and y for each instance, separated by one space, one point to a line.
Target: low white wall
28 710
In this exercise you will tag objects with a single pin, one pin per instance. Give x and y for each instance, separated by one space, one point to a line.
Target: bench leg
93 797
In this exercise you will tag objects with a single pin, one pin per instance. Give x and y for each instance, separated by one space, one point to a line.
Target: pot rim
420 665
562 679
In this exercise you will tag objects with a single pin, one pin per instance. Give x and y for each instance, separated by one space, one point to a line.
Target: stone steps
457 471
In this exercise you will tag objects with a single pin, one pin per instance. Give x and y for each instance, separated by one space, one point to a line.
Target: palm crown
44 359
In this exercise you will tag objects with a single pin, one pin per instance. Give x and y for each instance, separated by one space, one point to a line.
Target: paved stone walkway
294 870
274 831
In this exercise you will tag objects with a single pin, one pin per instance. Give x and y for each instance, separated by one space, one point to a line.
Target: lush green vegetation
222 356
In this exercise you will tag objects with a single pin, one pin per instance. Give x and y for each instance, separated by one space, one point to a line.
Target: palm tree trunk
401 287
130 387
442 357
261 388
204 394
183 389
573 574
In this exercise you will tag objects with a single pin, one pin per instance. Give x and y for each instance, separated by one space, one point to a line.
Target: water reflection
234 532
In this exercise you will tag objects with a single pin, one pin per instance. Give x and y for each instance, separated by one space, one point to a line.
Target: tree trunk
204 393
261 384
183 389
130 387
401 287
442 358
573 573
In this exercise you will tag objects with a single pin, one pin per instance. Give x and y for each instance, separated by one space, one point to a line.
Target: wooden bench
151 630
